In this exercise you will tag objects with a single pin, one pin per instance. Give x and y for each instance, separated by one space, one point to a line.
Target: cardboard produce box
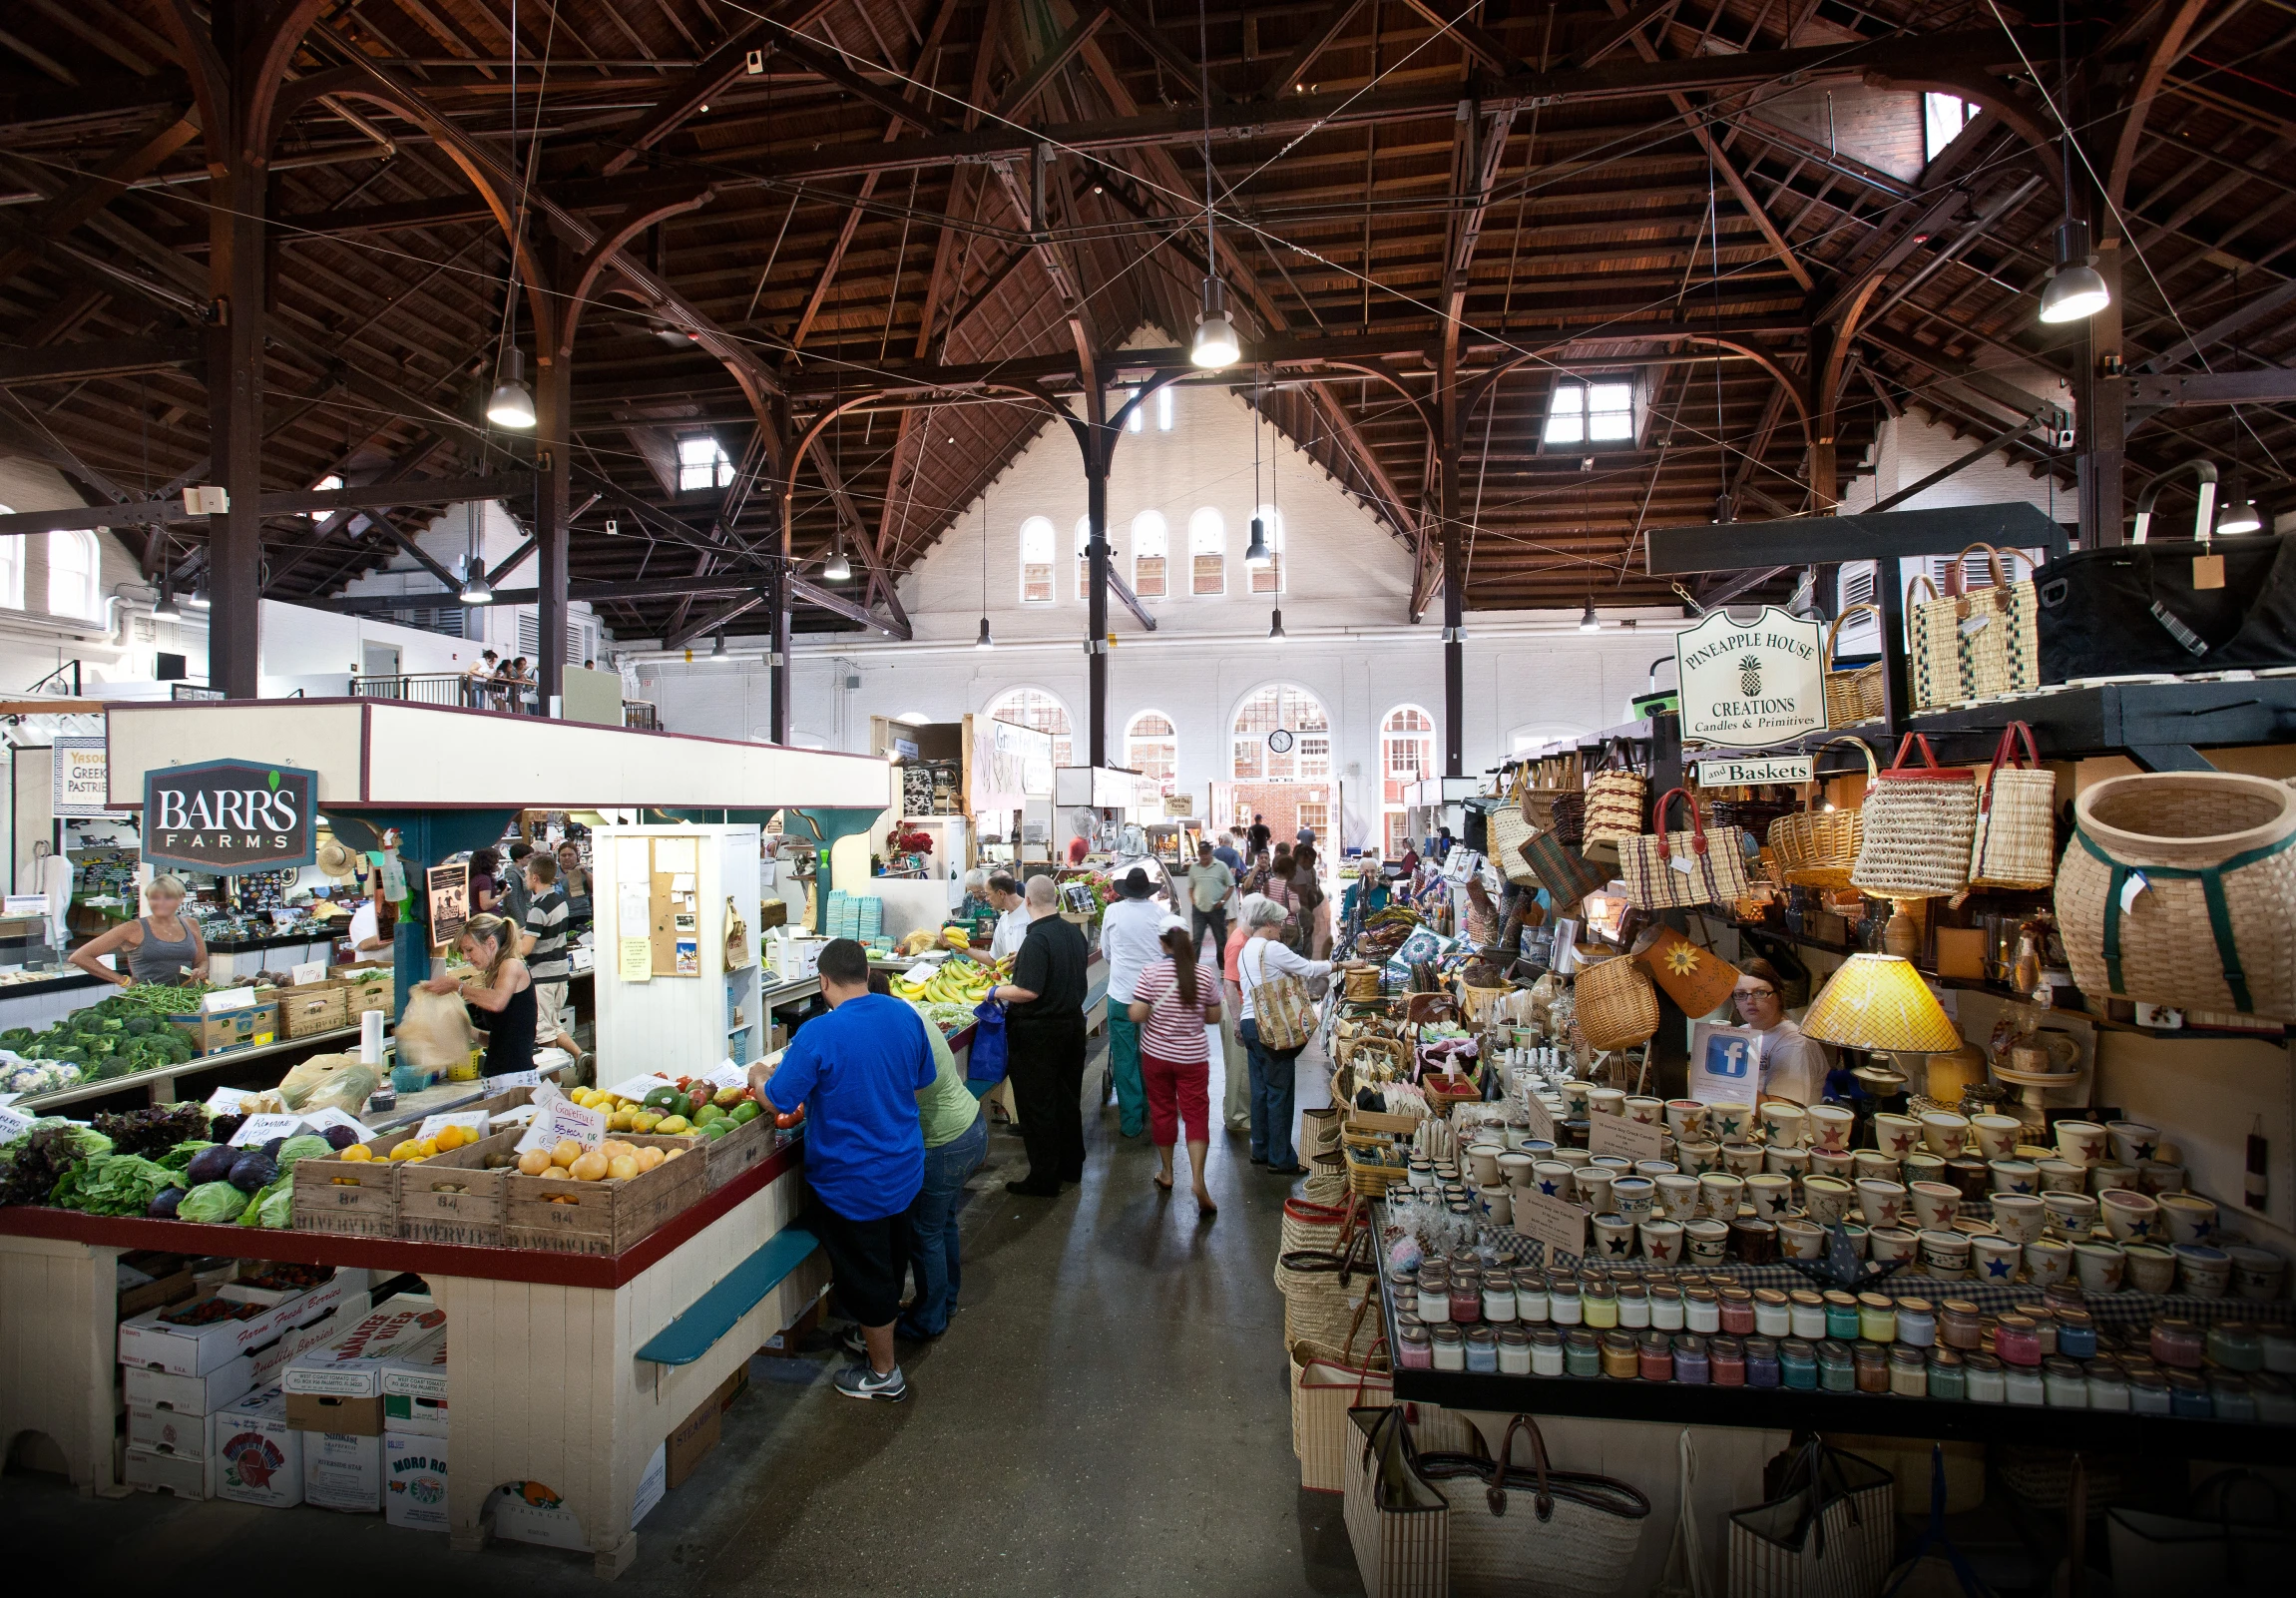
171 1431
529 1512
414 1480
232 1029
414 1389
194 1349
205 1395
342 1471
336 1389
258 1457
150 1471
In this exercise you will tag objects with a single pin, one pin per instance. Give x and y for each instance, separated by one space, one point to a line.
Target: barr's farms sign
229 815
1751 685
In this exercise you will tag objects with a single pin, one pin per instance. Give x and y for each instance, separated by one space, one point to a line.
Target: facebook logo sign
1728 1058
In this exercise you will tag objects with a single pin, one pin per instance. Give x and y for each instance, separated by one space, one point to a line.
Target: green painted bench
711 1315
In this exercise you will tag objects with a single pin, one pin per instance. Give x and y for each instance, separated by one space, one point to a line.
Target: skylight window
1943 117
702 463
1590 414
325 485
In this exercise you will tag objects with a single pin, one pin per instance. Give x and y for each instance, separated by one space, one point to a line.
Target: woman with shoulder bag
1315 914
1275 1078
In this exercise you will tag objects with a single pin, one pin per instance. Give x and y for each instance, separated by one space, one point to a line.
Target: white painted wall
115 646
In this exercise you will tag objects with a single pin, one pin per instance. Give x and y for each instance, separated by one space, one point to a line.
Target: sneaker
859 1381
854 1342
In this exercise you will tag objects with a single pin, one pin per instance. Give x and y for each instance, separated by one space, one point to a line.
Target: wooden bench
710 1316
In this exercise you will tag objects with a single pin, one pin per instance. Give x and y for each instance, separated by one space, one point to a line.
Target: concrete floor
1107 1416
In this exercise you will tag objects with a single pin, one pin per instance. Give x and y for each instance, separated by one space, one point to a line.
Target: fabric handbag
2239 1538
1561 870
990 1053
1326 1383
1535 1532
737 937
1830 1533
2212 924
1282 1011
1857 695
1697 979
1969 646
1397 1522
2133 607
1919 826
1614 804
2016 844
1668 870
1617 1006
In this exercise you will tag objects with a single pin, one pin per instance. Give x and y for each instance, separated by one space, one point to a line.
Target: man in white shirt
368 939
1130 929
1012 917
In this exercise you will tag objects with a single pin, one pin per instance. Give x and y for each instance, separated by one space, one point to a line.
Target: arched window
11 568
1035 561
1208 552
1084 558
1151 748
1150 538
1295 711
1268 579
1033 707
1163 410
75 574
1406 756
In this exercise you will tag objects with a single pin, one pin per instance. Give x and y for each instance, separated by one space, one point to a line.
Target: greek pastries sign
229 815
1751 685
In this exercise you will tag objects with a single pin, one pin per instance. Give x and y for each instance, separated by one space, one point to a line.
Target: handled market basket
1823 844
2016 844
1618 1007
1920 822
1858 695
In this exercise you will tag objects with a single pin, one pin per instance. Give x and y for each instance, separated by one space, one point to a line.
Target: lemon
357 1153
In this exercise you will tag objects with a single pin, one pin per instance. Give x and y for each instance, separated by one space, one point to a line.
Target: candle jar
1467 1297
2076 1333
1909 1373
1737 1311
1666 1307
2275 1399
1582 1354
2016 1342
2188 1396
1693 1362
1655 1357
1762 1363
1403 1282
1872 1365
1599 1302
2231 1395
2148 1392
2044 1321
1412 1349
1482 1350
2108 1385
1620 1358
2280 1351
2177 1344
1434 1297
2024 1386
1797 1364
1701 1311
1449 1346
1957 1325
1530 1296
2063 1383
2236 1345
1564 1305
1806 1313
1837 1366
1727 1360
1876 1318
1633 1306
1917 1323
1546 1351
1986 1380
1947 1375
1773 1315
1841 1314
1499 1299
1513 1352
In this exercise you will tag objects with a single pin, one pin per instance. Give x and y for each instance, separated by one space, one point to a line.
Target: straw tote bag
1548 784
1697 979
1853 695
1968 646
2016 817
1281 1009
1326 1383
1820 848
2213 924
1614 804
1397 1522
1618 1007
1321 1289
1670 870
1830 1534
1510 826
1920 826
1535 1532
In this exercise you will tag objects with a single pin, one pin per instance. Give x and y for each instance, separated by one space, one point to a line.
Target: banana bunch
956 982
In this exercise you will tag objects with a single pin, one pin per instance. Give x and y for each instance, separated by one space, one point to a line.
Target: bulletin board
658 925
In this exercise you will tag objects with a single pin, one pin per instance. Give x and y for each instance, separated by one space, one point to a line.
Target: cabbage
273 1207
305 1146
217 1203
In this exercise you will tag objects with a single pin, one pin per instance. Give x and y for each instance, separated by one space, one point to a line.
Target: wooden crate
600 1217
738 1149
311 1007
351 1198
453 1197
369 994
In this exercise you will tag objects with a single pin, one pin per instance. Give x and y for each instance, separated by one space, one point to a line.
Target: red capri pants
1177 1093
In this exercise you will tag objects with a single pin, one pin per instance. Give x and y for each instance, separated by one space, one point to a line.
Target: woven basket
2016 844
1309 1224
1919 823
1532 1531
1615 807
1965 646
1566 816
1509 827
1617 1006
1327 1178
1319 1128
1826 842
1360 982
1368 1177
1855 696
1476 1003
2214 926
1713 862
1322 1289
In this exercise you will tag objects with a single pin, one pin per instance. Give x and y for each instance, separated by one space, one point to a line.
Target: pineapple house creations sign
1751 685
229 815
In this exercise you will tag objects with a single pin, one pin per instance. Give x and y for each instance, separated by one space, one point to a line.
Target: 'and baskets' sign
229 815
1749 685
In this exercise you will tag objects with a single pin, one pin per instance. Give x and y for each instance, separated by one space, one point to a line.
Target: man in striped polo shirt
545 953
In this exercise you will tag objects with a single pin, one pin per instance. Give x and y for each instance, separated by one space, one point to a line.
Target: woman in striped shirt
1173 1003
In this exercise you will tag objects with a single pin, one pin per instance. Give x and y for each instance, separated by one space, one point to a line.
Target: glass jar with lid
1806 1312
1871 1362
1482 1350
1693 1365
1773 1316
1736 1304
1666 1307
1530 1296
2065 1385
2076 1333
2237 1346
1701 1311
2231 1395
1728 1360
2188 1395
1599 1303
2148 1391
1449 1346
1947 1375
1467 1296
1546 1351
1988 1380
1513 1352
1582 1353
1498 1297
1564 1307
1908 1371
1841 1314
1876 1318
1412 1352
1762 1363
2023 1384
1434 1295
2177 1344
2016 1342
1958 1325
2107 1385
1797 1364
1654 1351
1621 1359
1634 1306
1837 1366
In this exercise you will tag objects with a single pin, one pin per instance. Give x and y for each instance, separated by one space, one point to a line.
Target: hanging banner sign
230 816
1751 685
1756 769
83 776
449 887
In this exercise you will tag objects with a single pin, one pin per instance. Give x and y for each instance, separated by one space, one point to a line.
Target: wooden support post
552 445
239 186
1098 445
2100 412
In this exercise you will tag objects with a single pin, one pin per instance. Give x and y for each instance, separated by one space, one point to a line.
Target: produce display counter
41 1003
548 1383
160 1084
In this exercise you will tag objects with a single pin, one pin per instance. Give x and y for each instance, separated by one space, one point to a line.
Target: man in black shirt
1259 833
1045 1036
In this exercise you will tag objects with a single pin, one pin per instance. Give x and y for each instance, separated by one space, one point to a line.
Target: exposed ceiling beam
98 357
376 496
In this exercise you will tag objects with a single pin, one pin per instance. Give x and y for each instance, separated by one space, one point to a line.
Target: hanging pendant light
2239 515
476 590
2075 289
511 405
164 608
1588 621
718 649
1259 554
199 598
838 569
1275 626
1215 342
984 641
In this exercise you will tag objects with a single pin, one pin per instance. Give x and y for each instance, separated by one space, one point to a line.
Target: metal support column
778 668
1098 444
553 463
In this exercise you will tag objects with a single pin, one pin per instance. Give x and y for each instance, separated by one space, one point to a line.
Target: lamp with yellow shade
1880 1002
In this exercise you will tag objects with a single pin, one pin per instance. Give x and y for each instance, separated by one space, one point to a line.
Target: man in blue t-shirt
859 1071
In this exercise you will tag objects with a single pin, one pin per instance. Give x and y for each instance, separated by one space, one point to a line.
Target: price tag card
228 999
471 1120
562 1119
1631 1140
309 971
1560 1225
7 1099
258 1130
13 1124
1542 1118
639 1086
513 1079
226 1101
331 1117
726 1074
